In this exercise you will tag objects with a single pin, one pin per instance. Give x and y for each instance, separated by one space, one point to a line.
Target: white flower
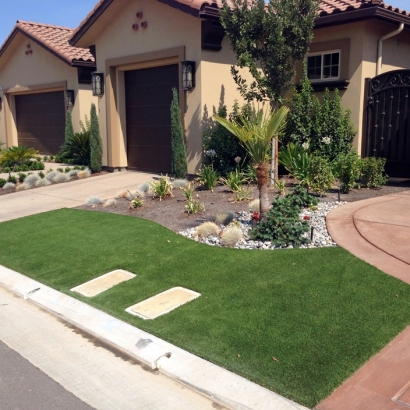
326 140
210 153
305 145
238 160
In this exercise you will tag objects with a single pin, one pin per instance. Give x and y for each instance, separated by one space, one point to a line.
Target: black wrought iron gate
387 122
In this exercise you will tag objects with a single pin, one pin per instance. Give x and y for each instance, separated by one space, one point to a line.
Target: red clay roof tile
53 38
326 8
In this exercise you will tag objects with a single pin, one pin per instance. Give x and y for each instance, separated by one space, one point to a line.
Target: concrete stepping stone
102 283
162 303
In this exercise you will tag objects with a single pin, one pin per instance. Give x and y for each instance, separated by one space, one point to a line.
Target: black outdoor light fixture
98 84
69 98
188 75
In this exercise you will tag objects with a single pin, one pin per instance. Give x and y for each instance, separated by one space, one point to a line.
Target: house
144 48
41 77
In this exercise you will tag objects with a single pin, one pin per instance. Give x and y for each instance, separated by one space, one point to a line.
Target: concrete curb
222 386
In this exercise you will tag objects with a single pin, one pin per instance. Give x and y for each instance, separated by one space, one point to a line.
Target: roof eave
362 14
84 28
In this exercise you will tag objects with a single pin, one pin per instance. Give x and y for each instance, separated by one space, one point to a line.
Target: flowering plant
256 216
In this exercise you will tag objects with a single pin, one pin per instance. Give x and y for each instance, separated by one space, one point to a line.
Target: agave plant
16 155
255 134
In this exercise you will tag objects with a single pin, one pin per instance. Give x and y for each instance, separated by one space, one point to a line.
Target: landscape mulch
171 212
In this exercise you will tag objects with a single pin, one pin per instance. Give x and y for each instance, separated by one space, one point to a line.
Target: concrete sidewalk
69 194
378 231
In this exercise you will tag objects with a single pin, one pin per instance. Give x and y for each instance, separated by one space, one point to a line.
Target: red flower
306 218
256 216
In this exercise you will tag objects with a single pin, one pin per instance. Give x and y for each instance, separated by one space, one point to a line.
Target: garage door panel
149 95
148 110
152 136
40 121
150 116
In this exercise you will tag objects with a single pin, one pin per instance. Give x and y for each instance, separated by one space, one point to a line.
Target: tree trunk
262 177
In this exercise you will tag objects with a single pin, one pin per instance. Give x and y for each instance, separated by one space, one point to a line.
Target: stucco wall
40 71
362 58
167 29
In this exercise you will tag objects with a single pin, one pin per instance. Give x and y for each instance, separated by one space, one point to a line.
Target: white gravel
321 237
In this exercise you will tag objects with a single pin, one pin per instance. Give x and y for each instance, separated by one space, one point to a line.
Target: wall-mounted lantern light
69 98
98 84
188 75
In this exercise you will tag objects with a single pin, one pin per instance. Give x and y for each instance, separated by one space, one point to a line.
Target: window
323 66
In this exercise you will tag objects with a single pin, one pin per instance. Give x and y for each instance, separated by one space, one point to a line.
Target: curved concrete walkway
378 231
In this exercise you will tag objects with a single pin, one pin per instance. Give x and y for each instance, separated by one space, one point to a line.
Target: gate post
366 120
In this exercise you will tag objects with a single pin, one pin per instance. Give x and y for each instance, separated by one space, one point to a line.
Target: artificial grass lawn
320 313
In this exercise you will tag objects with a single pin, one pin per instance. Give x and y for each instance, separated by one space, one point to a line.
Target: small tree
179 162
268 39
256 134
96 149
69 130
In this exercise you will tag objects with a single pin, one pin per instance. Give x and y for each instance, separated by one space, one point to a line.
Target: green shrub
77 148
296 159
39 159
25 168
69 130
60 170
282 225
194 207
45 158
60 159
41 175
325 124
67 170
234 180
136 203
51 157
17 156
207 177
6 170
346 167
179 161
17 168
162 188
36 166
96 149
321 178
298 197
12 179
21 177
2 182
372 173
222 147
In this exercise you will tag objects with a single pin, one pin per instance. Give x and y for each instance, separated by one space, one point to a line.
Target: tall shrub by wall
96 149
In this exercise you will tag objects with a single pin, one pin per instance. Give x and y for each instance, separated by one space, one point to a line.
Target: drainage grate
102 283
162 303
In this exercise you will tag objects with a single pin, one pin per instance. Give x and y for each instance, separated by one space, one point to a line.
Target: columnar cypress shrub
299 119
96 149
69 130
179 162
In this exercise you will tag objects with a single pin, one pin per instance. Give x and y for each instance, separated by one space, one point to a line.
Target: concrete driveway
70 194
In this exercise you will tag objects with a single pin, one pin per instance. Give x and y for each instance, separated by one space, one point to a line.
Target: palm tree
256 134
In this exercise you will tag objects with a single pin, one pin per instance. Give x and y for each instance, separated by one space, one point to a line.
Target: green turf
321 313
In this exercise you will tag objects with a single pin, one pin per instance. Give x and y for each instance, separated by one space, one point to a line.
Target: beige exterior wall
40 71
170 37
362 57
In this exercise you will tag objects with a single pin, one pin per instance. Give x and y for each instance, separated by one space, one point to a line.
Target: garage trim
10 107
115 97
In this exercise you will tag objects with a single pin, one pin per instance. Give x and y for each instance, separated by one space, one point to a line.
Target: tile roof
54 39
326 8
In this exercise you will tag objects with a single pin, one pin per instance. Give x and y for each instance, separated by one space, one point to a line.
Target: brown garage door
40 120
148 95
